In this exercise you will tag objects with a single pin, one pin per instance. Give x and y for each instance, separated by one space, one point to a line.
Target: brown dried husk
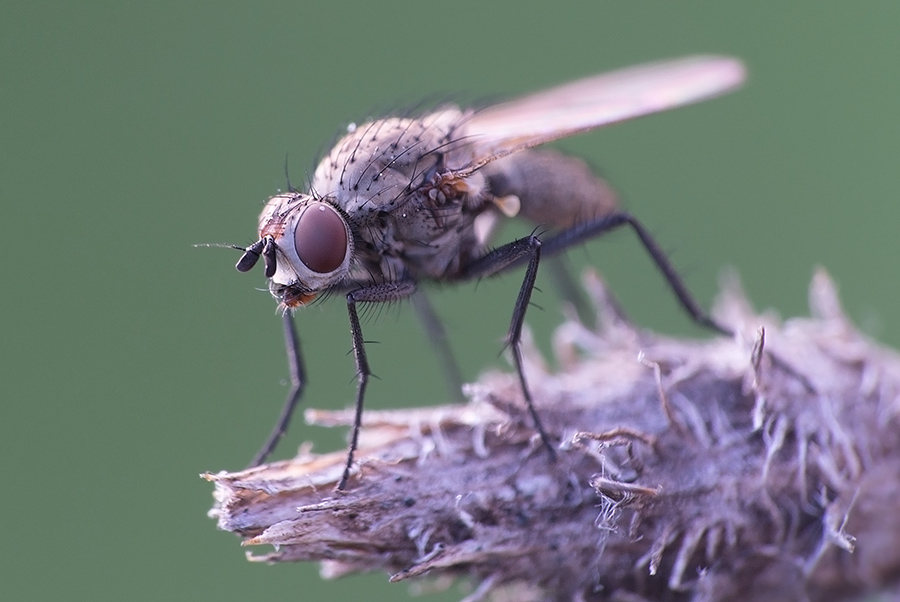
764 466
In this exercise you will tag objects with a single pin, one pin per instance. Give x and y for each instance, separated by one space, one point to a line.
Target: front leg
379 293
298 381
497 261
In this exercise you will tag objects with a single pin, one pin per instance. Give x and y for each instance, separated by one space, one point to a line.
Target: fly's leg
298 380
495 262
581 232
380 293
438 337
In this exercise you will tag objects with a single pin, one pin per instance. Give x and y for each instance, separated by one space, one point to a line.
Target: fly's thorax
313 244
377 163
399 182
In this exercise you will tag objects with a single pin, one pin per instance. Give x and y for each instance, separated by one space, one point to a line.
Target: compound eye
321 238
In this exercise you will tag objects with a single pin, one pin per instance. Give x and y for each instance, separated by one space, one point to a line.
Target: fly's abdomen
554 190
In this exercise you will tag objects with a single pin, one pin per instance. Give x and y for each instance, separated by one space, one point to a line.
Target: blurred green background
133 361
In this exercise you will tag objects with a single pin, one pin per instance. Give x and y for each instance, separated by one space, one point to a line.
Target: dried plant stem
761 467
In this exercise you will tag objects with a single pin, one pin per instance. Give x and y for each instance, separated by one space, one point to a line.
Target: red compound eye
321 238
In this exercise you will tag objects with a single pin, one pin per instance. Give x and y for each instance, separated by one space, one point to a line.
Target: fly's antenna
218 245
264 247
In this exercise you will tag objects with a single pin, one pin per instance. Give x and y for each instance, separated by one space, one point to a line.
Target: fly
406 200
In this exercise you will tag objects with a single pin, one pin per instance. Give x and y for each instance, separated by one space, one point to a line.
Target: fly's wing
597 101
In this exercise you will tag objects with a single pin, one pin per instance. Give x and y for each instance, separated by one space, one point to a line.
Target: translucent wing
600 100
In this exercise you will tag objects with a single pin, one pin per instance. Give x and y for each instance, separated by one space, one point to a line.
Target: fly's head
306 246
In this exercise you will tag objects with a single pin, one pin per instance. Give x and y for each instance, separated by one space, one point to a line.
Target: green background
133 361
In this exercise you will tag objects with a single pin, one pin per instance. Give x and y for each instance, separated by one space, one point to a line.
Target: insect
405 200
